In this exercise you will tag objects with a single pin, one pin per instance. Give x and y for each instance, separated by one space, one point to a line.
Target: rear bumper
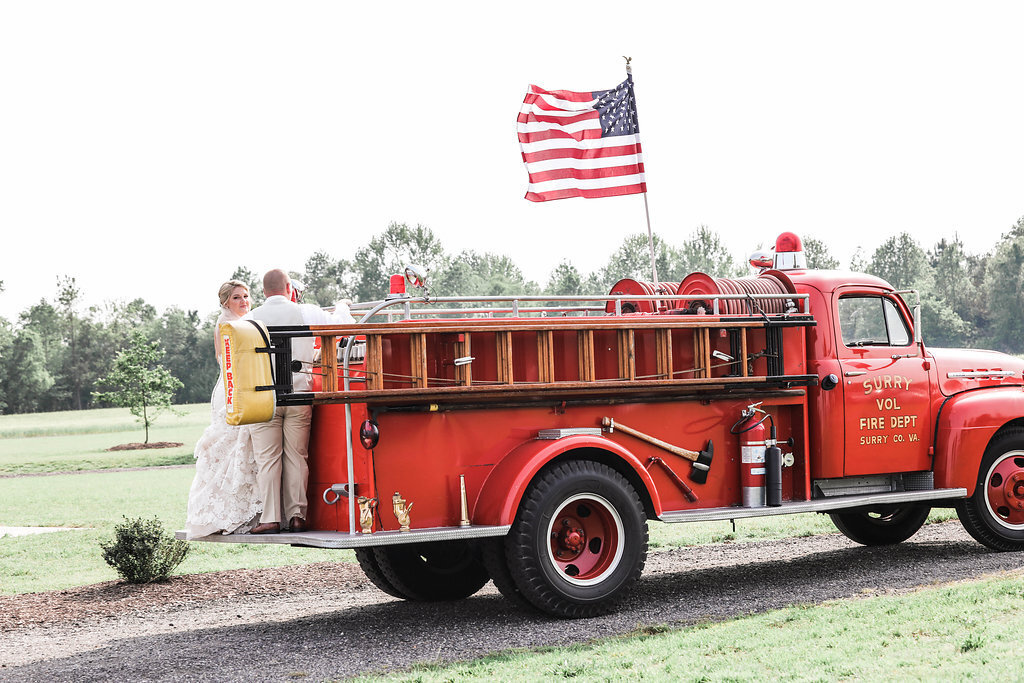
339 539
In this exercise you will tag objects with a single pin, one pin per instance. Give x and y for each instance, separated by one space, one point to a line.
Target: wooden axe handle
687 491
682 452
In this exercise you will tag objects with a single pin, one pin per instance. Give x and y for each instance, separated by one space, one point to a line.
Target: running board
822 505
339 539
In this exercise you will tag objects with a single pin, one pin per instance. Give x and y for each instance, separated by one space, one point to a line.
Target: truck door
885 386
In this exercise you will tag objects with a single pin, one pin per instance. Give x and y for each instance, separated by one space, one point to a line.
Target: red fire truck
529 440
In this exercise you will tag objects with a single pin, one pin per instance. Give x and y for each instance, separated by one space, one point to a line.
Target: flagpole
650 240
647 210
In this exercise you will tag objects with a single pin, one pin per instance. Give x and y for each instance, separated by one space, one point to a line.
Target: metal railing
514 306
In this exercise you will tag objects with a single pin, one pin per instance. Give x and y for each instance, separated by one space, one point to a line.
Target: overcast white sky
149 148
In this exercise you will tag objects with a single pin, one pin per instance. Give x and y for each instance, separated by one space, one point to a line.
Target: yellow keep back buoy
243 370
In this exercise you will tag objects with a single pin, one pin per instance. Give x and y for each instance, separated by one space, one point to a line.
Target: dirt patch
119 599
145 446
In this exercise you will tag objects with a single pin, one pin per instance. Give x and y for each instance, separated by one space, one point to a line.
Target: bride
223 498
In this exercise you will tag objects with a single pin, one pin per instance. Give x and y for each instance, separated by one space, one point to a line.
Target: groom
281 445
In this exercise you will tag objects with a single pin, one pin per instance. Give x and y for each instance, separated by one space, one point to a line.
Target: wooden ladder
545 352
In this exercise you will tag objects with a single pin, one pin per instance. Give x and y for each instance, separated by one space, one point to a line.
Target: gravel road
285 625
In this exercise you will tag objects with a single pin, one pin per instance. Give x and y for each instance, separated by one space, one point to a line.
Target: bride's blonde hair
227 288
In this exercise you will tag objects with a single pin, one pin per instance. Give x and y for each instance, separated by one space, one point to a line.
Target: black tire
368 563
881 526
492 551
449 570
579 540
994 515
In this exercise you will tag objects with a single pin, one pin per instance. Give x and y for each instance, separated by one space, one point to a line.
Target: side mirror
915 311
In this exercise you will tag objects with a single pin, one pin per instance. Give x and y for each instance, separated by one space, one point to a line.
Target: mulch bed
141 446
115 598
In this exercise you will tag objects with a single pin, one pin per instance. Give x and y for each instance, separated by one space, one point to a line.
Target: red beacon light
789 252
397 287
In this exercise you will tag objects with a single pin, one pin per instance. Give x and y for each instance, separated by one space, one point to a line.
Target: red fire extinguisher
760 459
751 431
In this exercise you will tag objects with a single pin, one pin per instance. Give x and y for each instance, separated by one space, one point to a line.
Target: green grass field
93 504
78 440
98 421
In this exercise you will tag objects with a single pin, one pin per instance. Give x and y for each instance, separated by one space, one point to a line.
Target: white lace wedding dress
223 498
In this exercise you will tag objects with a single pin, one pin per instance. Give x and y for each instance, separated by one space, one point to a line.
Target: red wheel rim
585 539
1004 490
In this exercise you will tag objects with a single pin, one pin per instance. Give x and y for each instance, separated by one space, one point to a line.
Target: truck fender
504 487
965 425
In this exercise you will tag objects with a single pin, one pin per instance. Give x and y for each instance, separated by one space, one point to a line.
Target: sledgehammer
701 460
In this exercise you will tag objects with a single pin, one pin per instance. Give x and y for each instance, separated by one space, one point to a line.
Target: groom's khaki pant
282 446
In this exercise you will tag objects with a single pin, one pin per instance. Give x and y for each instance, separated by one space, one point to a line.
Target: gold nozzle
401 511
465 503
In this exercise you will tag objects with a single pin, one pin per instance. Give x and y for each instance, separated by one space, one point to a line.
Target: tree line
54 355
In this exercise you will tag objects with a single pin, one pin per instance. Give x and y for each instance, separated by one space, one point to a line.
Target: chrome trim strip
980 373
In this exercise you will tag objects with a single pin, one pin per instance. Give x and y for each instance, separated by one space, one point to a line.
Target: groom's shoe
266 528
297 524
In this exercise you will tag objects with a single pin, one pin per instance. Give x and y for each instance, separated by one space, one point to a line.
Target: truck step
822 505
340 539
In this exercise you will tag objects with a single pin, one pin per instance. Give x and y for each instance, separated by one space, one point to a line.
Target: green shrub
142 552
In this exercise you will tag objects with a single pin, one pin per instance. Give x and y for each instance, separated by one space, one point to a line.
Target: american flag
581 144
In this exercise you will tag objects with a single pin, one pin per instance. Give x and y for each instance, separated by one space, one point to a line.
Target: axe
701 459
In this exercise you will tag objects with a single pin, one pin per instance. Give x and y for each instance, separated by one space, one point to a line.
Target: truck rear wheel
368 563
492 550
448 570
881 526
994 515
579 540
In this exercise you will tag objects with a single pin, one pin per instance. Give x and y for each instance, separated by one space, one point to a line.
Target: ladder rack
471 360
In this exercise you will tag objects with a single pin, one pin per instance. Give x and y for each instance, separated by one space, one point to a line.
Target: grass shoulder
953 632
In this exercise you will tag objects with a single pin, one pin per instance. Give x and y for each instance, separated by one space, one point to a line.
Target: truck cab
876 418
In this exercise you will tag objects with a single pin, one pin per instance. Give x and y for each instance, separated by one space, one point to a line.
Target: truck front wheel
994 515
448 570
579 541
882 526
